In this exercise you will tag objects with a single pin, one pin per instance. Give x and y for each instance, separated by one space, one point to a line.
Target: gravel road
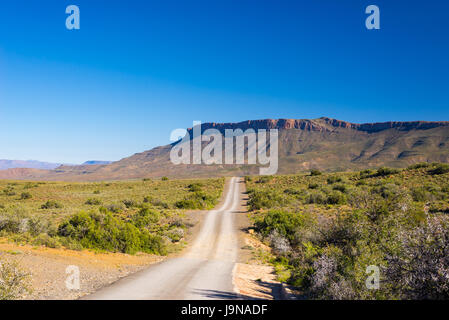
205 271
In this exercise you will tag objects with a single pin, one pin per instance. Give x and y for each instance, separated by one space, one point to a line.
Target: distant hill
31 164
304 144
94 162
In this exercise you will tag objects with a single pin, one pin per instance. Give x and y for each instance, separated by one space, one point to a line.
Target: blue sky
136 70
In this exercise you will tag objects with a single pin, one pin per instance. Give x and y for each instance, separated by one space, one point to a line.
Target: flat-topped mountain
325 124
304 144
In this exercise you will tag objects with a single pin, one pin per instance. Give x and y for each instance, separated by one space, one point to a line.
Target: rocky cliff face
323 125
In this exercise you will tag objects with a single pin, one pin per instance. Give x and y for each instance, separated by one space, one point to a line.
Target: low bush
25 196
316 197
315 172
93 202
129 203
195 187
145 218
44 239
441 168
265 200
336 197
51 204
9 191
334 179
100 230
293 191
30 185
197 200
264 179
115 207
340 187
418 166
384 171
176 234
367 173
14 281
283 223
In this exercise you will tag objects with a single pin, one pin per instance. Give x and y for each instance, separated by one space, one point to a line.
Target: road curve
205 271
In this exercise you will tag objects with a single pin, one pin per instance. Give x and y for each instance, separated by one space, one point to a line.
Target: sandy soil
47 268
252 278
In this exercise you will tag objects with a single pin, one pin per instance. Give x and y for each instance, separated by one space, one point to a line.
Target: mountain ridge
323 123
304 144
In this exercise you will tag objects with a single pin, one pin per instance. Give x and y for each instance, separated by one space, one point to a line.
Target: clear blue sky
138 69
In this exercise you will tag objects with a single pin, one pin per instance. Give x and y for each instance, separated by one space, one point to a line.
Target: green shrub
285 223
196 200
264 179
129 203
316 197
93 202
420 194
340 187
336 197
100 230
293 191
156 202
333 179
367 173
315 172
176 234
25 196
14 281
188 204
96 192
384 171
9 191
51 204
45 240
164 178
265 200
195 187
30 185
115 207
387 191
314 185
418 166
441 168
145 218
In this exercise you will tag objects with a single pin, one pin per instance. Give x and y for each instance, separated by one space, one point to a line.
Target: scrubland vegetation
14 281
129 217
325 229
